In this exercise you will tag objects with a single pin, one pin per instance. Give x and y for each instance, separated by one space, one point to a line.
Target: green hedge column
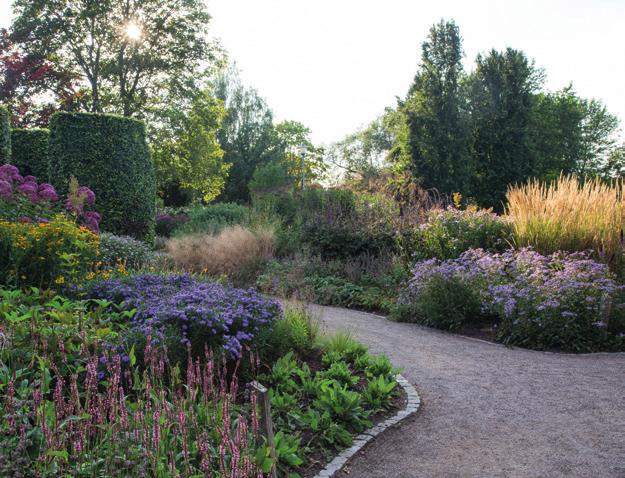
29 151
109 154
5 135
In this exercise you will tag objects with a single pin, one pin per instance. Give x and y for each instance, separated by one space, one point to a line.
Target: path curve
492 411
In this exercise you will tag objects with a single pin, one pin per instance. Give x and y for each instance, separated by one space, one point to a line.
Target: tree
361 155
290 136
33 88
127 51
571 134
247 135
189 158
501 96
435 145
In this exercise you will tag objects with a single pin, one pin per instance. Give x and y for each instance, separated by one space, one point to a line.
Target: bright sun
133 31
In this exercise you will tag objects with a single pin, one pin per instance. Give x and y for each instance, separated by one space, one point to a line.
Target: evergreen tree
434 143
502 95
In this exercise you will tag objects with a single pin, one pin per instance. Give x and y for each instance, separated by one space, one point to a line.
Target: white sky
335 64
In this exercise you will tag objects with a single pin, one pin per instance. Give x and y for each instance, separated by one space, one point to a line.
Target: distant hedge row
108 153
29 151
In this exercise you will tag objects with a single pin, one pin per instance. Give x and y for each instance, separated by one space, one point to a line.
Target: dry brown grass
227 253
569 214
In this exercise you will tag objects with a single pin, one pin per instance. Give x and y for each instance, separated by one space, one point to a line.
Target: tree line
211 136
478 132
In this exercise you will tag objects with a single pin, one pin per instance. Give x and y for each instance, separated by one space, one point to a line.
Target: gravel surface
492 411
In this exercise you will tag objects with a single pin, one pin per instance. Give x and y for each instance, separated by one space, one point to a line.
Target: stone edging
412 406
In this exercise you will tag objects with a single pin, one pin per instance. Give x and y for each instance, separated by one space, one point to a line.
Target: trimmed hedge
29 151
5 135
109 154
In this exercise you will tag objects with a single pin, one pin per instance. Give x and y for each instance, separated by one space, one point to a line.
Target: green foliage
362 155
5 135
212 218
29 151
123 74
296 331
342 404
448 233
380 366
110 155
268 178
126 250
46 254
479 132
335 223
444 304
379 392
502 91
59 321
340 372
288 451
247 135
190 157
434 142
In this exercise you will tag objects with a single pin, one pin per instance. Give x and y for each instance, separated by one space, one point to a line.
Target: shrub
132 253
5 135
228 253
181 311
29 151
110 154
213 218
167 223
569 214
46 254
447 233
296 331
563 301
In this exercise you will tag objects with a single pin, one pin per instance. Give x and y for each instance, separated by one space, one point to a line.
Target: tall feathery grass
569 214
226 253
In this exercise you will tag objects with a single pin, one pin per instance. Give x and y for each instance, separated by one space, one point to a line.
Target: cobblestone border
412 406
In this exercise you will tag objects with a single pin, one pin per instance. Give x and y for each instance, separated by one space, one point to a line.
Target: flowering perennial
562 300
22 199
184 310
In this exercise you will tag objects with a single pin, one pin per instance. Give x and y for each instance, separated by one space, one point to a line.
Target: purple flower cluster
40 200
12 183
192 311
523 287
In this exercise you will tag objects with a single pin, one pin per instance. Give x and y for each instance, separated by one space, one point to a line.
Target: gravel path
492 411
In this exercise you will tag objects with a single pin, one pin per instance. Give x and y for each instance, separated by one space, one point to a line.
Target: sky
335 65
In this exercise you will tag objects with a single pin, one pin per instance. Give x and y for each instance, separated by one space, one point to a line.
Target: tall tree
290 137
360 156
434 147
189 160
247 135
127 51
502 90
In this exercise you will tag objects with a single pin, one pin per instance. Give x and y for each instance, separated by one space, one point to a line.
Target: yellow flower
59 280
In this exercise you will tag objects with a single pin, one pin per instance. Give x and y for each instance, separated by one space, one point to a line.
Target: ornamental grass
232 249
569 214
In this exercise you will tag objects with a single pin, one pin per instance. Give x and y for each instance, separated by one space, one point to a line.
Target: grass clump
569 214
231 252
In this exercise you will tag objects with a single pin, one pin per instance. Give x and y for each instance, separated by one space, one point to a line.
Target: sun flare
133 31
